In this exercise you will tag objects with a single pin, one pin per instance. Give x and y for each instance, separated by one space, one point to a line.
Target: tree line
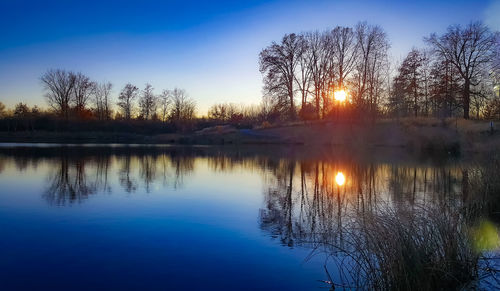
458 73
77 102
69 93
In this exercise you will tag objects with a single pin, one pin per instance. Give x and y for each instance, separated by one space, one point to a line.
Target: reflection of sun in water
340 179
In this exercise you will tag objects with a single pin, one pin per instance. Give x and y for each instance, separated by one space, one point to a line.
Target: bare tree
183 108
126 100
426 71
369 78
218 112
345 52
319 60
444 87
2 110
278 63
470 49
102 100
81 92
226 112
304 76
148 102
58 86
410 78
165 103
372 62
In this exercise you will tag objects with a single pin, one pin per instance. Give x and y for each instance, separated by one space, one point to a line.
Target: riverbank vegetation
391 226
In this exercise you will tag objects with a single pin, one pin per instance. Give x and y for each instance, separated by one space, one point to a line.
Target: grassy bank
426 135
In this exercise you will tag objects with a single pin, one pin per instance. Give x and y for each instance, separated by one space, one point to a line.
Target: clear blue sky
208 48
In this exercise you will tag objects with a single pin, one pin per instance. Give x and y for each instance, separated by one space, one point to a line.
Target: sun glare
340 179
340 95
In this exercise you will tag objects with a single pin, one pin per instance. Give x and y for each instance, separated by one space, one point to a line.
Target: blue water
200 231
99 217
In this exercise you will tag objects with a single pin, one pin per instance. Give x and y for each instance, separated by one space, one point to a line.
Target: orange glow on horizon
340 179
340 95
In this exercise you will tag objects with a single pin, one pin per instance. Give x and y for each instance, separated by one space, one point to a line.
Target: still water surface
155 217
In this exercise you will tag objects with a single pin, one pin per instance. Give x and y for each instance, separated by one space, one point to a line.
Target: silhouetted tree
58 86
21 110
148 102
278 63
345 52
470 49
102 100
304 76
126 100
320 57
410 81
370 72
81 92
223 112
183 108
3 113
444 87
165 101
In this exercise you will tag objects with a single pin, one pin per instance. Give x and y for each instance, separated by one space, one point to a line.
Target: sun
340 179
340 95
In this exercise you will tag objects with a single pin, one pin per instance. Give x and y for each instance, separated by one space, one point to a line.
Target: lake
158 217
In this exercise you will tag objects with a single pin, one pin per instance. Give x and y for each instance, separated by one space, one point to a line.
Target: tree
183 107
82 89
492 109
102 100
165 102
21 110
370 72
148 102
2 110
23 115
58 86
410 80
319 59
470 50
278 63
425 71
444 87
126 100
224 112
304 77
345 52
218 112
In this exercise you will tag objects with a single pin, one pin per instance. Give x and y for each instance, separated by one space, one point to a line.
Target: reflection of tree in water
22 163
128 183
68 182
2 163
182 166
102 164
73 178
171 169
220 162
388 226
148 170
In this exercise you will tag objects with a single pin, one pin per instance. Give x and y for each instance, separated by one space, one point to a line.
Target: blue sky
208 48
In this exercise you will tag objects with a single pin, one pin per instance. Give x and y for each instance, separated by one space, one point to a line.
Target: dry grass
419 249
424 247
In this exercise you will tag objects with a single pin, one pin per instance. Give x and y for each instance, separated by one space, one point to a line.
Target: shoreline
424 136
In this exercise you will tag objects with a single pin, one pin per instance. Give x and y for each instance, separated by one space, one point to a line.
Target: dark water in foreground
199 218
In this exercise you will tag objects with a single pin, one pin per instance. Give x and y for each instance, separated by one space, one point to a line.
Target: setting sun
340 179
340 95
